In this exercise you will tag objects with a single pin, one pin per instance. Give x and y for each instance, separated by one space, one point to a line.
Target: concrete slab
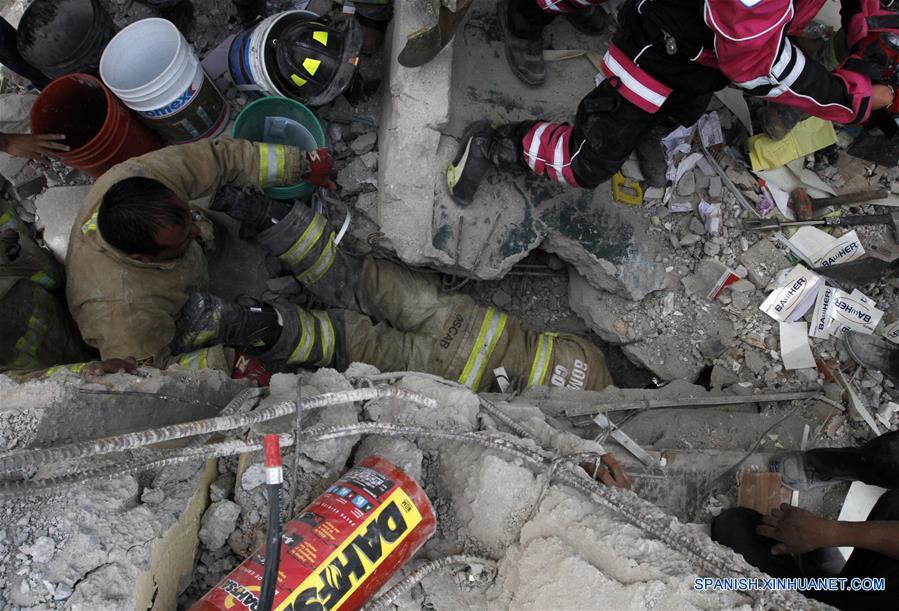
56 212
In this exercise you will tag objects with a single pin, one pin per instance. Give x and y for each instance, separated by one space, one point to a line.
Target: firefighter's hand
608 472
33 146
798 530
321 169
98 368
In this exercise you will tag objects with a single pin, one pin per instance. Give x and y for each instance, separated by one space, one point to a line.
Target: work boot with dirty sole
651 157
872 352
471 164
797 472
252 209
591 21
525 55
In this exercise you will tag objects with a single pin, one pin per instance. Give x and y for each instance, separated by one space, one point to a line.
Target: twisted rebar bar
385 601
33 459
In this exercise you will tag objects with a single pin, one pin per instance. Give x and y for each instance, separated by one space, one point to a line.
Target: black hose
272 548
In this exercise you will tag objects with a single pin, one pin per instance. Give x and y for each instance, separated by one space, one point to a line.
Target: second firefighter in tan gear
397 319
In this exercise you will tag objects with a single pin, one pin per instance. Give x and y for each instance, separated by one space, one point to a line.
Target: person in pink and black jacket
663 64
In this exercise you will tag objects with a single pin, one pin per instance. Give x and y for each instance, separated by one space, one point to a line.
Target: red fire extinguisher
341 549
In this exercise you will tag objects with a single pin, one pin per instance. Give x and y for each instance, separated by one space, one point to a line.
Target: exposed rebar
33 459
386 600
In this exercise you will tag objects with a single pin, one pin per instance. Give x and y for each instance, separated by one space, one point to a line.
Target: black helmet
316 58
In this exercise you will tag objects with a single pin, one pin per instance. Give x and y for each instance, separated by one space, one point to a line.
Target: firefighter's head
146 220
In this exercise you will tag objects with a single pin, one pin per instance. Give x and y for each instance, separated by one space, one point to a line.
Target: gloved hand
321 169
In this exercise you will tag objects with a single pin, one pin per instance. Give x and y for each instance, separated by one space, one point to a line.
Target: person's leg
875 463
735 528
12 59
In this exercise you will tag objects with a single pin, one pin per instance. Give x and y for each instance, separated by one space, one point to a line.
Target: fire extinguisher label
350 564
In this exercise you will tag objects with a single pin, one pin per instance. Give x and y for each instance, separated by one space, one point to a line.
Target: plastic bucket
250 62
98 128
153 70
64 36
251 125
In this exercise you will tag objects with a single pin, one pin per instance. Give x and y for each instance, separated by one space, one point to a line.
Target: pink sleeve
755 53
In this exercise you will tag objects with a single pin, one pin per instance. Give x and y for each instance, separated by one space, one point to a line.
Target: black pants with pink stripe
606 129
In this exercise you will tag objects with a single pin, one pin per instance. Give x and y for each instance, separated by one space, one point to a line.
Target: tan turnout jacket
127 308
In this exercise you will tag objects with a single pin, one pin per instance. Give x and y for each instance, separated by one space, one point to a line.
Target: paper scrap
781 200
710 129
820 317
852 312
824 250
891 332
794 175
807 136
794 349
795 295
711 217
728 277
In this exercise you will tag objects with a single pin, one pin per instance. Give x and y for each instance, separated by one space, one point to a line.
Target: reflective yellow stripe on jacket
272 164
491 330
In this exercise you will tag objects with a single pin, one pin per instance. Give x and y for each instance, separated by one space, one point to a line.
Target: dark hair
134 210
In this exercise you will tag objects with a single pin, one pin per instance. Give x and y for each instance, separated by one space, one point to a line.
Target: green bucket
280 117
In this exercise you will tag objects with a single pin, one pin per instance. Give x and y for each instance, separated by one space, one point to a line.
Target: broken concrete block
218 523
763 260
609 245
222 488
364 143
370 160
689 240
356 177
56 211
697 226
686 186
715 186
607 313
24 179
704 278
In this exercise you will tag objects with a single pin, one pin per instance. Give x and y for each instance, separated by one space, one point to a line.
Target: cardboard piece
891 332
824 250
794 296
761 491
820 318
794 347
807 136
852 311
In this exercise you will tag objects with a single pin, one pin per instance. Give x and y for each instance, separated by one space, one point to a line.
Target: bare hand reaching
33 146
608 472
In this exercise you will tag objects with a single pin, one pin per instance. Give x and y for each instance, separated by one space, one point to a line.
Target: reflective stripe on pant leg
9 220
328 339
72 368
321 266
199 359
547 150
305 243
306 340
27 345
491 329
542 358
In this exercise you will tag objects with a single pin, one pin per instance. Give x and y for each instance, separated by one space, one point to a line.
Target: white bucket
153 70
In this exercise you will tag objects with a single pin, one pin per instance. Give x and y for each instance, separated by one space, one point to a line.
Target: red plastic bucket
342 548
100 131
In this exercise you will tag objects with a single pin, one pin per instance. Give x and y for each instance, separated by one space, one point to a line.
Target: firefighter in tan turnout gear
138 282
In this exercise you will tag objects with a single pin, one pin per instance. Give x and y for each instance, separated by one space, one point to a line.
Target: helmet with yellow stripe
317 57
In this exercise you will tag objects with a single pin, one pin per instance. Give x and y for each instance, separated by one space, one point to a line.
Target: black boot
206 320
179 12
592 21
255 211
651 157
482 147
525 55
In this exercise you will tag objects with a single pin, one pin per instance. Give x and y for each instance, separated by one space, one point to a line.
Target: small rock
222 488
152 496
715 186
501 298
711 249
697 226
42 550
364 143
687 184
689 240
219 521
253 477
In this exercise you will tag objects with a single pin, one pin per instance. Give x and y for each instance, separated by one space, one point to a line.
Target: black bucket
64 36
